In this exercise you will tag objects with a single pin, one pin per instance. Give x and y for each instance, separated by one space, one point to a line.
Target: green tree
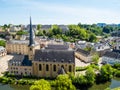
21 32
38 26
80 80
40 33
41 85
92 37
90 76
95 58
56 30
2 43
63 82
106 72
44 32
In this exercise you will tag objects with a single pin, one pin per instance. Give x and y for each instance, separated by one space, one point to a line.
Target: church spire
31 35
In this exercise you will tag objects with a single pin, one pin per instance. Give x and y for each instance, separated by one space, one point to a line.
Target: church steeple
31 35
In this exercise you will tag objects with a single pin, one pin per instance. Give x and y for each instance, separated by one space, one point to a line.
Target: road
4 63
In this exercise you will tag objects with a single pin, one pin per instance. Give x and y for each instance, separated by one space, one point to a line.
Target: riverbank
105 74
113 84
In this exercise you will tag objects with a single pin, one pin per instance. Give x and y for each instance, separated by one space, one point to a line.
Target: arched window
30 49
54 68
40 67
70 68
47 67
62 66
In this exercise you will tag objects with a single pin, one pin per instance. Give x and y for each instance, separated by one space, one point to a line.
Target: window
30 49
26 73
70 68
47 67
40 67
54 68
62 66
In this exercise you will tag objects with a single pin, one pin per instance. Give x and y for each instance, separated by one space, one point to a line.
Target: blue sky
59 11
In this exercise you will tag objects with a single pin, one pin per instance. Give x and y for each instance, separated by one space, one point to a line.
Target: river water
113 84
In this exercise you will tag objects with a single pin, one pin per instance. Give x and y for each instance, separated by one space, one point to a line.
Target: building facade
83 55
17 47
111 58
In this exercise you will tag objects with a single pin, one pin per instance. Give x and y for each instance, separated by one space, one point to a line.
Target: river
113 84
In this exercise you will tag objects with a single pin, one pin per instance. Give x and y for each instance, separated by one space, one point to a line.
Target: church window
70 68
40 67
54 67
62 66
30 49
47 67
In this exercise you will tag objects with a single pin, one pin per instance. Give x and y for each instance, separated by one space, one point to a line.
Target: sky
59 11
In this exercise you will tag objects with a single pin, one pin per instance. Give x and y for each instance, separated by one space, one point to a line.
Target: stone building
83 55
48 62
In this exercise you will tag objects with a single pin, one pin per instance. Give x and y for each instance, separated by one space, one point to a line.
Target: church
31 60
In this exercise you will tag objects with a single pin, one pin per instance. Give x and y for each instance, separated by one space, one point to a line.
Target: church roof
32 36
20 60
64 56
18 42
57 47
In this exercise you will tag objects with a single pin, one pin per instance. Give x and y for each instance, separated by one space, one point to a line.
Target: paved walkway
79 63
4 63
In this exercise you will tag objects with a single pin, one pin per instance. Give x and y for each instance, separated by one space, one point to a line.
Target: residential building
83 55
111 58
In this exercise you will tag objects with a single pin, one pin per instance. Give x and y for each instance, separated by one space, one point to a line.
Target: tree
56 30
63 82
90 76
50 33
38 26
106 72
95 58
44 32
80 80
41 85
21 32
2 43
92 37
40 33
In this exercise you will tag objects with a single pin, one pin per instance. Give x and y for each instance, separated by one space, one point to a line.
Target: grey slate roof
115 55
31 37
64 56
18 42
57 47
81 51
20 60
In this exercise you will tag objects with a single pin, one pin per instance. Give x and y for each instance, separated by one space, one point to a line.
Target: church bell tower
31 45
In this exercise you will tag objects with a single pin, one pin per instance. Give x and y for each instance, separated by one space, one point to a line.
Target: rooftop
57 47
20 60
18 42
55 56
82 51
115 55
